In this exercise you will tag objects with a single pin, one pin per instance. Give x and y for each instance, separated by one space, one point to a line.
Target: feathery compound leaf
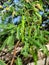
22 28
25 50
10 42
18 32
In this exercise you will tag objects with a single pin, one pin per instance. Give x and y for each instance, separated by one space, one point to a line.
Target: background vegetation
25 21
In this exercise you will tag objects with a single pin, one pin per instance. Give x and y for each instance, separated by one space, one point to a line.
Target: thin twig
45 60
14 53
8 63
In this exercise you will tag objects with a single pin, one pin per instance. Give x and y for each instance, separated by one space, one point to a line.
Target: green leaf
2 62
18 33
45 50
25 50
22 28
10 42
18 61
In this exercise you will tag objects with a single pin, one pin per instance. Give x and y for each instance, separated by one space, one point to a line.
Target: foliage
2 63
18 61
27 28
